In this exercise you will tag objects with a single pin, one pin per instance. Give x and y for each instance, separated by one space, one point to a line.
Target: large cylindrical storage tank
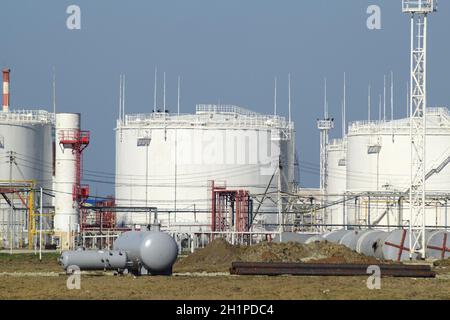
168 161
26 153
336 184
379 160
66 206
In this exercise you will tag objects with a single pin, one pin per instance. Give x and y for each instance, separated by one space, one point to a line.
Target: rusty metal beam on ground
318 269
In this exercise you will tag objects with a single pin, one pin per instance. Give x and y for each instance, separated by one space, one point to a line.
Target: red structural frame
230 209
77 141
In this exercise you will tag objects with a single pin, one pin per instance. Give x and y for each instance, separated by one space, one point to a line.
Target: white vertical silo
25 139
65 185
336 183
26 156
379 162
167 161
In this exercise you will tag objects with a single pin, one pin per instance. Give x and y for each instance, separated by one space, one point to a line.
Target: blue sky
225 50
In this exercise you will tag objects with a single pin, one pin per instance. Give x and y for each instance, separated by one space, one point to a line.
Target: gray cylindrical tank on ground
396 246
350 239
369 243
438 244
94 260
303 238
358 235
315 238
148 251
141 252
336 236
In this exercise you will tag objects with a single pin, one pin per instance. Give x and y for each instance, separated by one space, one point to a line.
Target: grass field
24 277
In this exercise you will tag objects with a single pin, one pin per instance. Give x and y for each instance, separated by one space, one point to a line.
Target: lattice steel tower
324 125
419 10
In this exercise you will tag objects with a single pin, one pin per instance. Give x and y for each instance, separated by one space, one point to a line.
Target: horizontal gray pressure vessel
94 260
155 251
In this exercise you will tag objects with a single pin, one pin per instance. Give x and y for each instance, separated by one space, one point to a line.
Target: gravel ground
221 287
24 277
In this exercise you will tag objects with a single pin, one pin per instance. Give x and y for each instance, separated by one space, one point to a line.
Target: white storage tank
26 153
67 211
378 160
336 183
167 161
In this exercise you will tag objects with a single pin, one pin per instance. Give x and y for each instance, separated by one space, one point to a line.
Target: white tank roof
437 118
337 145
207 115
27 116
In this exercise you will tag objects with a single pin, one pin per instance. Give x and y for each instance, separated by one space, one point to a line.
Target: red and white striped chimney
6 90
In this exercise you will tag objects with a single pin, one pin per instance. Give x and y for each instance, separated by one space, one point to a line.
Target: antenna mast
179 91
289 107
344 108
384 98
369 101
54 91
164 101
275 99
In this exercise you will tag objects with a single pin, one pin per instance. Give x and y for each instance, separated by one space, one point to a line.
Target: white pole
164 102
123 98
40 229
275 99
384 98
155 89
54 91
369 100
392 96
179 90
289 85
344 120
325 102
120 99
379 110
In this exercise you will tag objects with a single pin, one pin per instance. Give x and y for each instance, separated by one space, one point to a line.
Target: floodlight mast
418 10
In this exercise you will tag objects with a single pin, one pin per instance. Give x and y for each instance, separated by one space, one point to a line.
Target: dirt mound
219 254
318 252
216 257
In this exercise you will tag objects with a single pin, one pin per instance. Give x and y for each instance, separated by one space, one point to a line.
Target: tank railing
442 112
205 119
335 142
28 116
224 108
382 125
